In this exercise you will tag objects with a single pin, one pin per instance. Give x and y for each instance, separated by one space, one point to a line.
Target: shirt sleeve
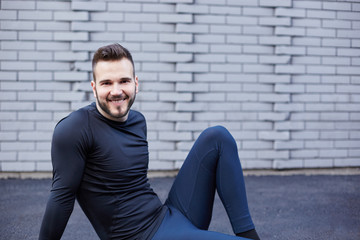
68 153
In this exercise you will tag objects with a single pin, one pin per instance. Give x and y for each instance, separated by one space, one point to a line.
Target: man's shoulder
77 118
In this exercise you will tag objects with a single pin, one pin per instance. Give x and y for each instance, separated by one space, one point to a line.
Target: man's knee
217 133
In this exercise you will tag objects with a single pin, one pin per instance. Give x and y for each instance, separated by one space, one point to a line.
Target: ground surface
283 207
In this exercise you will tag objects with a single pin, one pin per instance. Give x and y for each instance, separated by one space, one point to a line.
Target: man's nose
116 90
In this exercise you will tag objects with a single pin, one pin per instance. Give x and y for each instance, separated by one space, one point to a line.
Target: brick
71 16
272 116
283 145
175 97
256 106
52 106
35 55
8 96
44 5
192 87
293 107
349 107
140 17
69 96
155 7
36 116
306 98
257 87
290 69
34 96
241 97
192 28
71 36
275 40
175 136
187 8
177 38
228 107
336 61
53 46
175 116
209 116
209 97
175 77
269 78
34 156
289 125
306 41
16 5
351 162
290 12
17 25
237 39
35 136
8 15
258 49
243 58
275 21
321 70
17 166
71 56
88 6
194 67
225 10
156 106
341 24
290 31
35 15
306 22
8 55
124 7
273 154
257 30
348 15
209 77
249 144
88 26
8 35
274 135
348 33
347 144
290 50
236 116
107 17
175 18
233 68
59 86
17 86
272 97
8 156
191 126
157 27
56 66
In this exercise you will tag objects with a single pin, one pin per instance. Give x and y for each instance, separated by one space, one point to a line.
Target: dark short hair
110 53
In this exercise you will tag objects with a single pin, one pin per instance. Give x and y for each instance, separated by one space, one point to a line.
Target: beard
119 111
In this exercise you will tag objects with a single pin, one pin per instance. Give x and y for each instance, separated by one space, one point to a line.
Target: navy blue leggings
212 164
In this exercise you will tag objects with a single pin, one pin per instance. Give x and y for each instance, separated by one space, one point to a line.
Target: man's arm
68 153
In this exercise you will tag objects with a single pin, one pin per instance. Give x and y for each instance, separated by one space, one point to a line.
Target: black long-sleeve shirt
104 165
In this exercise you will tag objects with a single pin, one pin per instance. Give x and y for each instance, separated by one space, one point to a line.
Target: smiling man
100 157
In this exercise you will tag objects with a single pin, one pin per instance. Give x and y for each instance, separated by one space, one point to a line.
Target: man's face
115 88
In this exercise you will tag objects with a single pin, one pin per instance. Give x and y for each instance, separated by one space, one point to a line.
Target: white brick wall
283 76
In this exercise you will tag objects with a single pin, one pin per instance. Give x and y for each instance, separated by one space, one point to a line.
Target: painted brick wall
282 76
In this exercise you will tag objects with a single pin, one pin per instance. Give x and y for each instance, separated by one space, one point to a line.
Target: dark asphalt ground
283 207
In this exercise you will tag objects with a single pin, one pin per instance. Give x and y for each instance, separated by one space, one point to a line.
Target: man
100 157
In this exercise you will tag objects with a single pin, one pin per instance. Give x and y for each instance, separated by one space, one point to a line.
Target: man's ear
136 84
93 86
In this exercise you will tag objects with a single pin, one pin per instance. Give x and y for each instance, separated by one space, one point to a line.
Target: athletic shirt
104 165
